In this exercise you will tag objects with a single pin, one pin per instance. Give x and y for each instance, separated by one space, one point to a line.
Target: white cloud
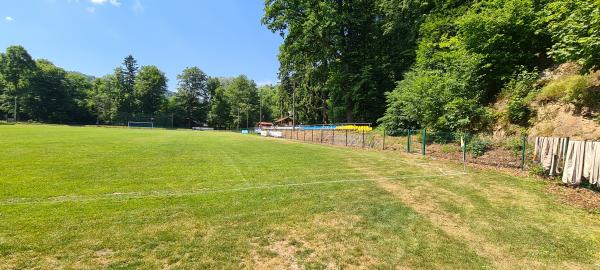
9 18
137 6
115 3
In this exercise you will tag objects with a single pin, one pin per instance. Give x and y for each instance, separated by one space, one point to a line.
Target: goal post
134 124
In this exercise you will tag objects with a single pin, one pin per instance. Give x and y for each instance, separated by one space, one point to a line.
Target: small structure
284 121
264 125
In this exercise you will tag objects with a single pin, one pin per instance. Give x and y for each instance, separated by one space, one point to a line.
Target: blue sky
222 37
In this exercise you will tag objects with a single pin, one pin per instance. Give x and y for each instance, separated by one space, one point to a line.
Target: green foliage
150 88
242 96
437 96
518 92
102 99
537 170
219 114
574 26
514 145
503 33
478 146
192 95
125 77
574 89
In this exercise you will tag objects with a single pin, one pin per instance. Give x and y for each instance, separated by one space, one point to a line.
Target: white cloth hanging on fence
574 163
544 153
592 163
550 152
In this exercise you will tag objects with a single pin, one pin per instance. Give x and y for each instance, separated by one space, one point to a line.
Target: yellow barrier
354 127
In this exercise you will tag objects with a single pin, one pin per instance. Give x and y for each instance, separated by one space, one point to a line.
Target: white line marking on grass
167 194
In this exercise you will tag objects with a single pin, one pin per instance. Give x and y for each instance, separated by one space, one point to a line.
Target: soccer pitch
88 197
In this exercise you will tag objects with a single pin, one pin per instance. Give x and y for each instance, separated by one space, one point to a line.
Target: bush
478 146
518 91
537 169
514 145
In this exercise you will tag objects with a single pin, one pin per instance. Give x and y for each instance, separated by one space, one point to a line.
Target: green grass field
87 197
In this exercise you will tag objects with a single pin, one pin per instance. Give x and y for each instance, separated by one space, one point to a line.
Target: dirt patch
496 157
580 197
312 245
560 120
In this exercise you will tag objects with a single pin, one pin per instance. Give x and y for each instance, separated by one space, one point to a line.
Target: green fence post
524 146
383 143
423 140
408 142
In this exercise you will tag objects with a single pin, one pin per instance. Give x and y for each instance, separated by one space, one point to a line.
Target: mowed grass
86 197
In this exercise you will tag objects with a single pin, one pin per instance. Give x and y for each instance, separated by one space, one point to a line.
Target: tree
242 96
269 103
125 76
17 67
574 26
192 94
150 89
219 115
102 99
340 57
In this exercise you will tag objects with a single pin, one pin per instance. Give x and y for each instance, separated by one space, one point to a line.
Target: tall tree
16 67
150 89
126 78
192 94
340 57
219 115
242 96
102 98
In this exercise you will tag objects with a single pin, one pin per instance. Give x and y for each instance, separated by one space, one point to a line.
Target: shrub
514 145
518 112
478 146
537 169
518 90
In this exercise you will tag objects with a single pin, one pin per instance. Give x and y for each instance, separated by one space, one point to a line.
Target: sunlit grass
90 197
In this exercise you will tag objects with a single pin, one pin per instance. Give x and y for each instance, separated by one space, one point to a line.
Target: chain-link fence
509 152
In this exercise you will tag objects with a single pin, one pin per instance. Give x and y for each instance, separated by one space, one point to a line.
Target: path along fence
462 147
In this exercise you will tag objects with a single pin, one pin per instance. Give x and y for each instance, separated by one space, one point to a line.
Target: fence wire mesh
510 152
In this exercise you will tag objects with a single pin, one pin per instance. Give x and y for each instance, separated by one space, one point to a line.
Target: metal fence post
312 135
408 142
423 140
303 135
363 139
333 136
346 138
383 143
321 140
524 146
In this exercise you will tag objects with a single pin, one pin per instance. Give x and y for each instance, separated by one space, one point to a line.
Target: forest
43 92
439 65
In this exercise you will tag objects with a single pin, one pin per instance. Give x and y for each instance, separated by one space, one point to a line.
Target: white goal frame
138 122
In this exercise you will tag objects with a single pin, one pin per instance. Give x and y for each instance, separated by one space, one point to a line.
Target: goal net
133 124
